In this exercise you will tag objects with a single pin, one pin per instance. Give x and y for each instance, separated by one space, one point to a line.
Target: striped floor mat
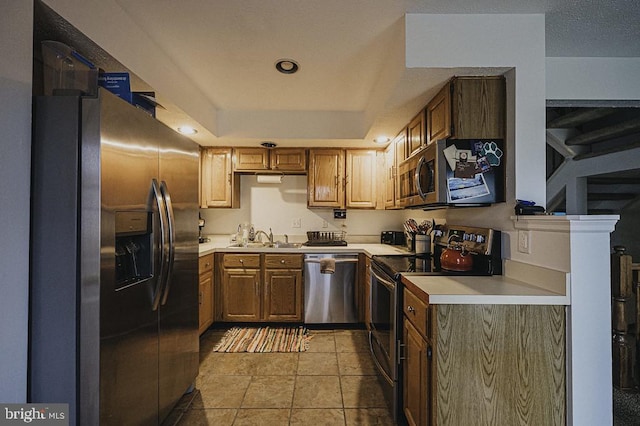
264 339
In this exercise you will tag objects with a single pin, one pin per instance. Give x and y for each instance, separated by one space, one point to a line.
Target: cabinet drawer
416 311
241 261
205 263
283 261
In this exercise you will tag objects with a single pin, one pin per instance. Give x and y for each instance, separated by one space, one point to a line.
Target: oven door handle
388 284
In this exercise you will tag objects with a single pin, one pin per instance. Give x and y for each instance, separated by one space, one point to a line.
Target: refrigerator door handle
163 236
172 239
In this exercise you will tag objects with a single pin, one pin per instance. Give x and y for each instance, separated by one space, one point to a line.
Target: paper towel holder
269 177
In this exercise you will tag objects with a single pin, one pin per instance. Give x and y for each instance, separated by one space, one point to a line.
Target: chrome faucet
269 236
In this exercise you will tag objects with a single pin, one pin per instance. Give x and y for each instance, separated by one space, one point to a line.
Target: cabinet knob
410 308
241 260
207 264
282 261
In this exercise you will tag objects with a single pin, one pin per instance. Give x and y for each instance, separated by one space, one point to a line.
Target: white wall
495 41
16 27
593 78
276 205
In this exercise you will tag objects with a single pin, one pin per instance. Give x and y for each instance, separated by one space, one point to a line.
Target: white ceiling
352 84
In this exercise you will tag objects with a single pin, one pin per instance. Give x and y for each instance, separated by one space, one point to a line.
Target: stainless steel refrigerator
114 240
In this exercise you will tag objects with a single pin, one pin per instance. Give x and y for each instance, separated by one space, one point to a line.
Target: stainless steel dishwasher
330 298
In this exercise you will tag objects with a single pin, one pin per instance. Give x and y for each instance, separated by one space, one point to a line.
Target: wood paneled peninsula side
485 350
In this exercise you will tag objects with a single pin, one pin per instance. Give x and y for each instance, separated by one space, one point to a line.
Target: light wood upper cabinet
325 187
361 179
478 106
438 112
251 159
395 153
289 160
218 186
468 108
416 133
343 179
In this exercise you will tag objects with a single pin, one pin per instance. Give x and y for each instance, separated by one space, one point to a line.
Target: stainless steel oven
383 338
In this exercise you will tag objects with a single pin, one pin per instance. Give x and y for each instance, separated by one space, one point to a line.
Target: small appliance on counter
394 238
201 222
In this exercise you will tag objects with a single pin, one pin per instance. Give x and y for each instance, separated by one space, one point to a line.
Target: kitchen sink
249 245
256 244
280 244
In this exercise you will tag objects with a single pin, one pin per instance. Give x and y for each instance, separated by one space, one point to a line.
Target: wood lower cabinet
218 184
482 364
262 287
205 292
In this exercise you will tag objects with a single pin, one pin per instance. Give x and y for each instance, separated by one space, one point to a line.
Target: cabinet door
415 133
438 113
415 367
360 179
250 159
478 105
218 188
288 159
283 295
205 301
241 295
324 180
390 177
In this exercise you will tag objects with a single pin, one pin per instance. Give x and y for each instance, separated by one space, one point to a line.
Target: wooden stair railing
625 320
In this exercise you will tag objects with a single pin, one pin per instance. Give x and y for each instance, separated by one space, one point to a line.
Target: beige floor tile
262 417
322 342
318 364
221 392
269 392
356 364
362 392
317 392
200 417
317 416
353 341
368 416
250 364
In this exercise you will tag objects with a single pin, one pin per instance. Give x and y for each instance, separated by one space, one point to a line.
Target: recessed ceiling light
287 66
382 140
187 130
268 144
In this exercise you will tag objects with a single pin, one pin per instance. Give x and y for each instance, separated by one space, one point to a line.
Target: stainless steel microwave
462 172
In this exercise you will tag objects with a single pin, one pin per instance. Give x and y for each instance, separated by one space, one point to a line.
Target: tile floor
334 383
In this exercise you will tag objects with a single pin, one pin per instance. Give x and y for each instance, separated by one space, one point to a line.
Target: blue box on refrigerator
117 83
145 101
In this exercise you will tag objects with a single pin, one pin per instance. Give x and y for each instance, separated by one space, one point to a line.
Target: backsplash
277 206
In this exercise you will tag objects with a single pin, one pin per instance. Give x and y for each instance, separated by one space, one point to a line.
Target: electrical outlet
325 224
524 242
297 223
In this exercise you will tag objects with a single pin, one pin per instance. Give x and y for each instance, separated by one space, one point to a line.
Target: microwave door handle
421 193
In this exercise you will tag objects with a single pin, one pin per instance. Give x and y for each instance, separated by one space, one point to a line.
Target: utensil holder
422 244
